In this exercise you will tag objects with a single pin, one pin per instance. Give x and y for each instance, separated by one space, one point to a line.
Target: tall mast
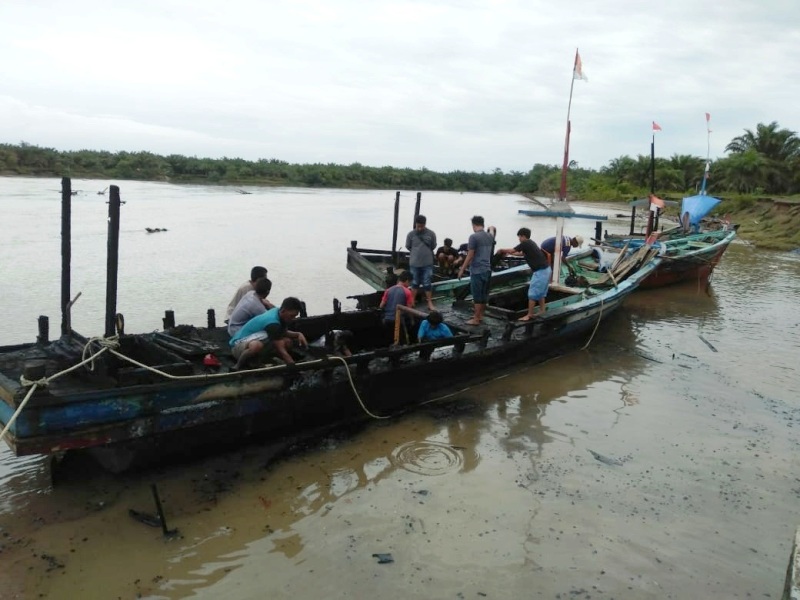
653 164
708 155
577 73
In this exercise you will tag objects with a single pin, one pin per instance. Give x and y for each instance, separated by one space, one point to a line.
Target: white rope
355 391
599 318
45 381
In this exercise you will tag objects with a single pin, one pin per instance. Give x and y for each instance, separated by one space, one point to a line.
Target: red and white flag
656 126
708 117
577 72
708 122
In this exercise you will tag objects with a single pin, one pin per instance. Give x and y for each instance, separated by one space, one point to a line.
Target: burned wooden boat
137 397
134 398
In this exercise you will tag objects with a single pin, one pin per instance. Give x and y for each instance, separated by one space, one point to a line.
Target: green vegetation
764 161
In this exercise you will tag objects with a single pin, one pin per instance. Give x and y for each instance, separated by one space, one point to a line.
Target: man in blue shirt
268 331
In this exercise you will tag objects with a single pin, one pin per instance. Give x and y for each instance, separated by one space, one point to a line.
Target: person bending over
433 328
540 271
567 244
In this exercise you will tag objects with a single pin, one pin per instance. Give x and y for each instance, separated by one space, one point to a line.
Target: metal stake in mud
165 530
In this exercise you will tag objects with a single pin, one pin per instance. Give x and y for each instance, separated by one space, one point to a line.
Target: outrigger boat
133 398
688 252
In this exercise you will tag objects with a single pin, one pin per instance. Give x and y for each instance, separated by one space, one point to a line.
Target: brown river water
660 462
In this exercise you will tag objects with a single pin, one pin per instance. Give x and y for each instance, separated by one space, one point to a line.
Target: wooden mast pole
562 194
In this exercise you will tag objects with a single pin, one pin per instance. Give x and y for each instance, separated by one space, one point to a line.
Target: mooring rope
355 391
43 382
596 325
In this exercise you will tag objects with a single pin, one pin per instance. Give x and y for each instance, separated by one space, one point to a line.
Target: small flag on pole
708 117
656 126
577 72
708 122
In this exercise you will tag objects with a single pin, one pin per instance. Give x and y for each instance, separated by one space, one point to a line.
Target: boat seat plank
182 347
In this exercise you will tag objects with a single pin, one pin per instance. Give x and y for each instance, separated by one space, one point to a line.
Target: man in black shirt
446 256
540 267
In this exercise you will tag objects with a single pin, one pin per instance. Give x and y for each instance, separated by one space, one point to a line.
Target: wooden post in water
394 229
112 262
66 252
416 209
44 330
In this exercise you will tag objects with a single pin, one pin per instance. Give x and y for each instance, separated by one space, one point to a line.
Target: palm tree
745 172
778 147
690 166
769 140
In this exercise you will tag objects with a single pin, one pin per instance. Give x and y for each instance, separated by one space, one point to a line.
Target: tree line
762 161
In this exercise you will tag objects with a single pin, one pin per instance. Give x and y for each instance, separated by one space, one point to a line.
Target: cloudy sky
443 84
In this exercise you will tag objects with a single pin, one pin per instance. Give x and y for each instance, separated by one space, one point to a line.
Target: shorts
240 346
421 277
479 286
540 282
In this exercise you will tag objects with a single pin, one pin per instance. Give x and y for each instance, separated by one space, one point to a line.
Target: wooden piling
66 252
394 229
44 330
169 319
112 262
416 209
211 318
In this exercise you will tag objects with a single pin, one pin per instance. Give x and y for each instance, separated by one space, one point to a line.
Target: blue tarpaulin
698 207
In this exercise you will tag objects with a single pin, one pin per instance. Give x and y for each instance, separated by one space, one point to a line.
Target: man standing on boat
540 269
479 261
421 243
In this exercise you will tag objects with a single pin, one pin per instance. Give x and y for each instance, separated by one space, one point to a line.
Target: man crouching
268 333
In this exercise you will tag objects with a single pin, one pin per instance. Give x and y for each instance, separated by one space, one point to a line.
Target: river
660 462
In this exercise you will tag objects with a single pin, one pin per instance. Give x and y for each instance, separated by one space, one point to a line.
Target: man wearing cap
421 243
567 244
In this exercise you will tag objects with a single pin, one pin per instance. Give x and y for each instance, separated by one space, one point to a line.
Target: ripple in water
427 458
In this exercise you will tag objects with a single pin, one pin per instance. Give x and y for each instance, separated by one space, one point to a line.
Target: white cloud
443 84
